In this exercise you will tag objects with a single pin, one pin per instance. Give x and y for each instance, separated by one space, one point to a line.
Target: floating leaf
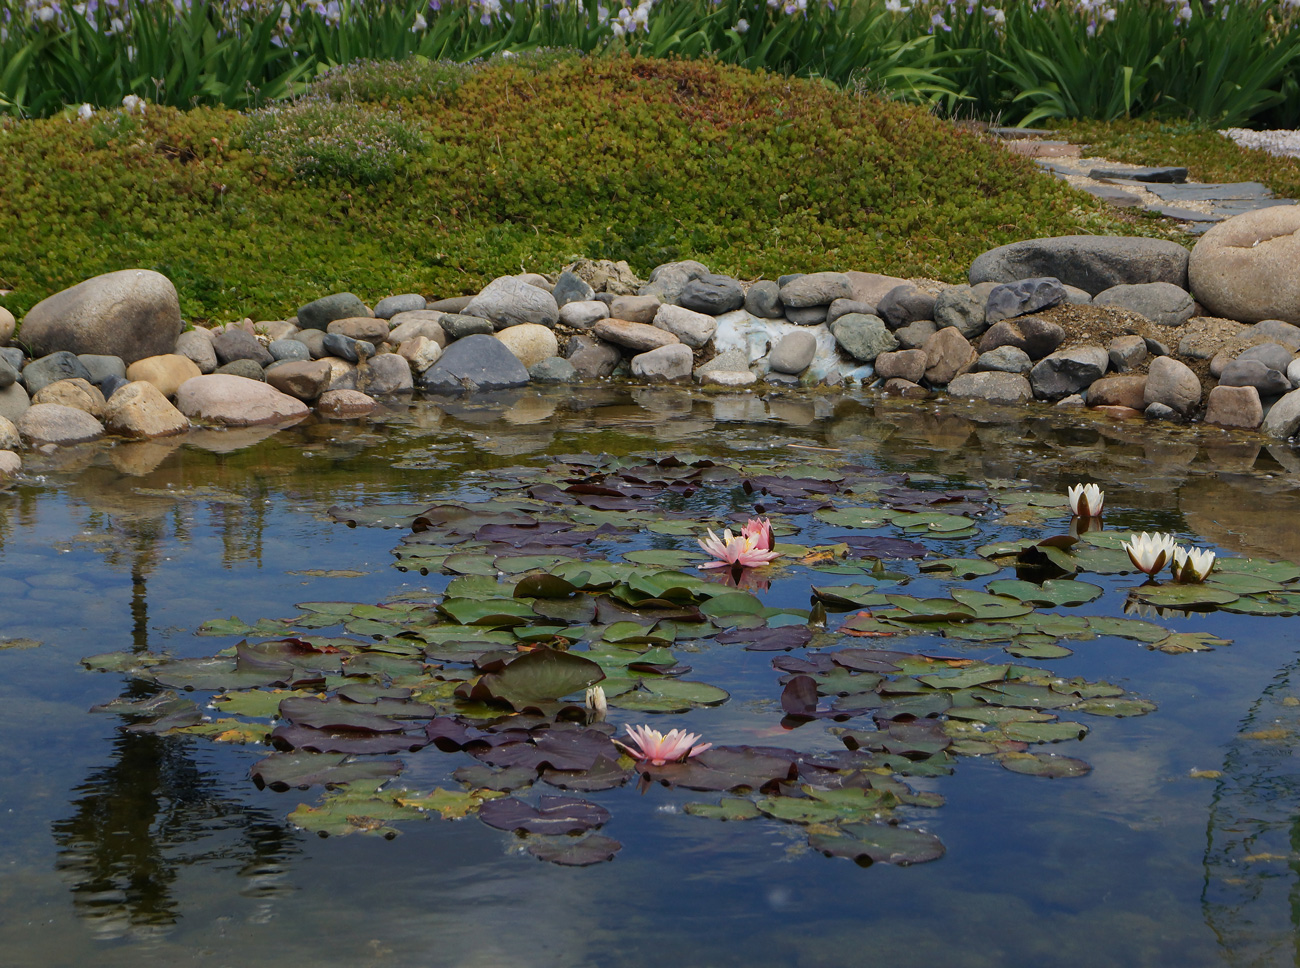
1183 596
1044 764
450 804
553 815
1115 707
729 808
284 771
879 843
1052 592
544 675
593 849
1044 732
962 569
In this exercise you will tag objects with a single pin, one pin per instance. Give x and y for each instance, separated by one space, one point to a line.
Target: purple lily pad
595 849
286 737
871 546
285 771
780 639
553 815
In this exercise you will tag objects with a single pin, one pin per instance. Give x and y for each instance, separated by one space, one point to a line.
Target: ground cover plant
1229 62
429 178
571 600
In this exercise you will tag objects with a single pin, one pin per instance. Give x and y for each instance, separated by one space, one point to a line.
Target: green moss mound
526 162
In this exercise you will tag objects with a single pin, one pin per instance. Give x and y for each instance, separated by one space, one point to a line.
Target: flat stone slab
1044 149
1014 133
1187 214
1115 196
1241 206
1170 175
1211 192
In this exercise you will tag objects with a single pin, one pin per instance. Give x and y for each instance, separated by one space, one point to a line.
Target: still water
122 849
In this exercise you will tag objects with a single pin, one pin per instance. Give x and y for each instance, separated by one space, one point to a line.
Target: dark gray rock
1037 337
458 326
14 356
101 367
806 315
347 348
915 335
1008 300
63 365
239 344
1161 411
1126 352
196 345
452 304
591 357
8 375
962 308
476 362
842 307
111 385
1090 262
788 278
290 349
248 369
1068 371
1162 303
713 294
667 280
1252 373
1279 331
905 304
314 340
764 300
319 313
1211 192
1169 175
553 370
407 302
863 337
570 287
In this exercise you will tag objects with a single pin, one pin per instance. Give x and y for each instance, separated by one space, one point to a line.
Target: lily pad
1183 596
284 771
1044 764
544 675
729 808
1052 592
553 815
879 843
593 849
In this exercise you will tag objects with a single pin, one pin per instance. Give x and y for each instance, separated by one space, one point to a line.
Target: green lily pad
962 569
541 676
1044 764
1183 596
1127 628
990 608
1044 732
1062 592
1037 650
879 843
665 557
1278 571
492 612
1115 707
863 517
470 564
1178 642
284 771
729 808
1242 583
1260 606
449 804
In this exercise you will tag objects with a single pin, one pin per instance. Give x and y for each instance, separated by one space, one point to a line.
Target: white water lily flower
1086 500
596 703
1191 565
1149 552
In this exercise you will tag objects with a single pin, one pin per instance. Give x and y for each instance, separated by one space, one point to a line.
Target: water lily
1086 500
760 531
1191 565
656 748
752 548
1149 552
595 700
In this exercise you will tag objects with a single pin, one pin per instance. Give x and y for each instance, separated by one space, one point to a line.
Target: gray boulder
476 362
132 314
1273 355
667 364
8 375
417 323
1068 371
101 368
915 335
13 401
509 301
995 387
347 348
692 328
1004 359
1252 373
1161 302
1283 418
62 365
239 344
196 344
1037 337
635 309
570 288
816 289
668 280
905 304
592 358
408 302
247 369
458 325
286 349
1092 263
806 315
793 352
1172 384
553 370
863 337
1126 352
385 374
1011 299
962 308
55 423
319 313
764 300
583 315
842 307
713 294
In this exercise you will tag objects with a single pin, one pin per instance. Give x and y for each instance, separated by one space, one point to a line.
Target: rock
420 352
290 350
234 401
728 378
347 348
1173 384
13 401
1127 352
73 393
806 316
477 362
111 385
692 328
1252 373
635 309
553 370
1093 263
319 313
962 308
343 375
571 288
1119 391
1283 418
863 337
1074 296
305 380
1068 371
905 304
635 336
793 352
7 326
816 289
592 358
906 365
508 301
668 364
668 280
842 307
453 304
62 365
10 464
387 373
947 354
530 343
166 372
248 369
237 344
8 375
993 386
1244 268
132 313
1278 331
1273 355
457 326
915 335
9 438
1236 406
1011 299
54 423
713 294
1160 411
417 323
731 361
583 315
14 356
360 328
140 410
345 404
1161 302
101 368
196 345
904 389
1037 337
1004 359
764 300
408 302
314 340
871 287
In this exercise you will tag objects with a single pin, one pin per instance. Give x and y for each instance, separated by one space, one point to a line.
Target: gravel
1282 141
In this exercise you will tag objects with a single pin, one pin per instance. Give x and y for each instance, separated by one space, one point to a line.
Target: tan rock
635 336
727 378
140 410
531 343
343 404
420 351
1245 267
10 464
360 327
905 389
1173 384
166 372
1118 391
234 401
7 326
55 423
303 379
9 438
635 309
948 354
76 392
870 287
1234 407
417 322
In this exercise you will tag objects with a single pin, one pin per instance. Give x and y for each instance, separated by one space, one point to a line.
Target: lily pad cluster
562 579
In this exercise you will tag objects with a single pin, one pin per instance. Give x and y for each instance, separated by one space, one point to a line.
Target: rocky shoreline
1137 326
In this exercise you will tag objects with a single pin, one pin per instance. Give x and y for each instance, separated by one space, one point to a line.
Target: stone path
1165 191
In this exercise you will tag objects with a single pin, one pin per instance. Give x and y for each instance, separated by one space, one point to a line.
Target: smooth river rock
132 314
140 410
1092 263
54 423
1248 267
234 401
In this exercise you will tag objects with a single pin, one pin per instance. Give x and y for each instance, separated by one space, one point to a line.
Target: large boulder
166 372
509 301
140 410
1173 384
319 313
477 362
667 364
1245 268
234 401
1093 263
132 313
54 423
1068 371
1160 302
530 342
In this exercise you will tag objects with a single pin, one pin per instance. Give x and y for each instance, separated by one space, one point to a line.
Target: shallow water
138 850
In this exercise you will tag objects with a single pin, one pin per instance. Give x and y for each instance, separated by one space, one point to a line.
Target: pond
1160 833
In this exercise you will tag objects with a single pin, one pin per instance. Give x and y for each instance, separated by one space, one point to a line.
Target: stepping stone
1014 133
1186 214
1235 207
1043 149
1165 175
1115 196
1211 192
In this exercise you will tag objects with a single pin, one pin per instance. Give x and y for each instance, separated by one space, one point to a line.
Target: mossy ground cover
522 163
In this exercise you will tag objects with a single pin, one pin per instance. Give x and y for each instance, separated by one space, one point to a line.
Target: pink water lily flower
656 748
760 530
752 548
